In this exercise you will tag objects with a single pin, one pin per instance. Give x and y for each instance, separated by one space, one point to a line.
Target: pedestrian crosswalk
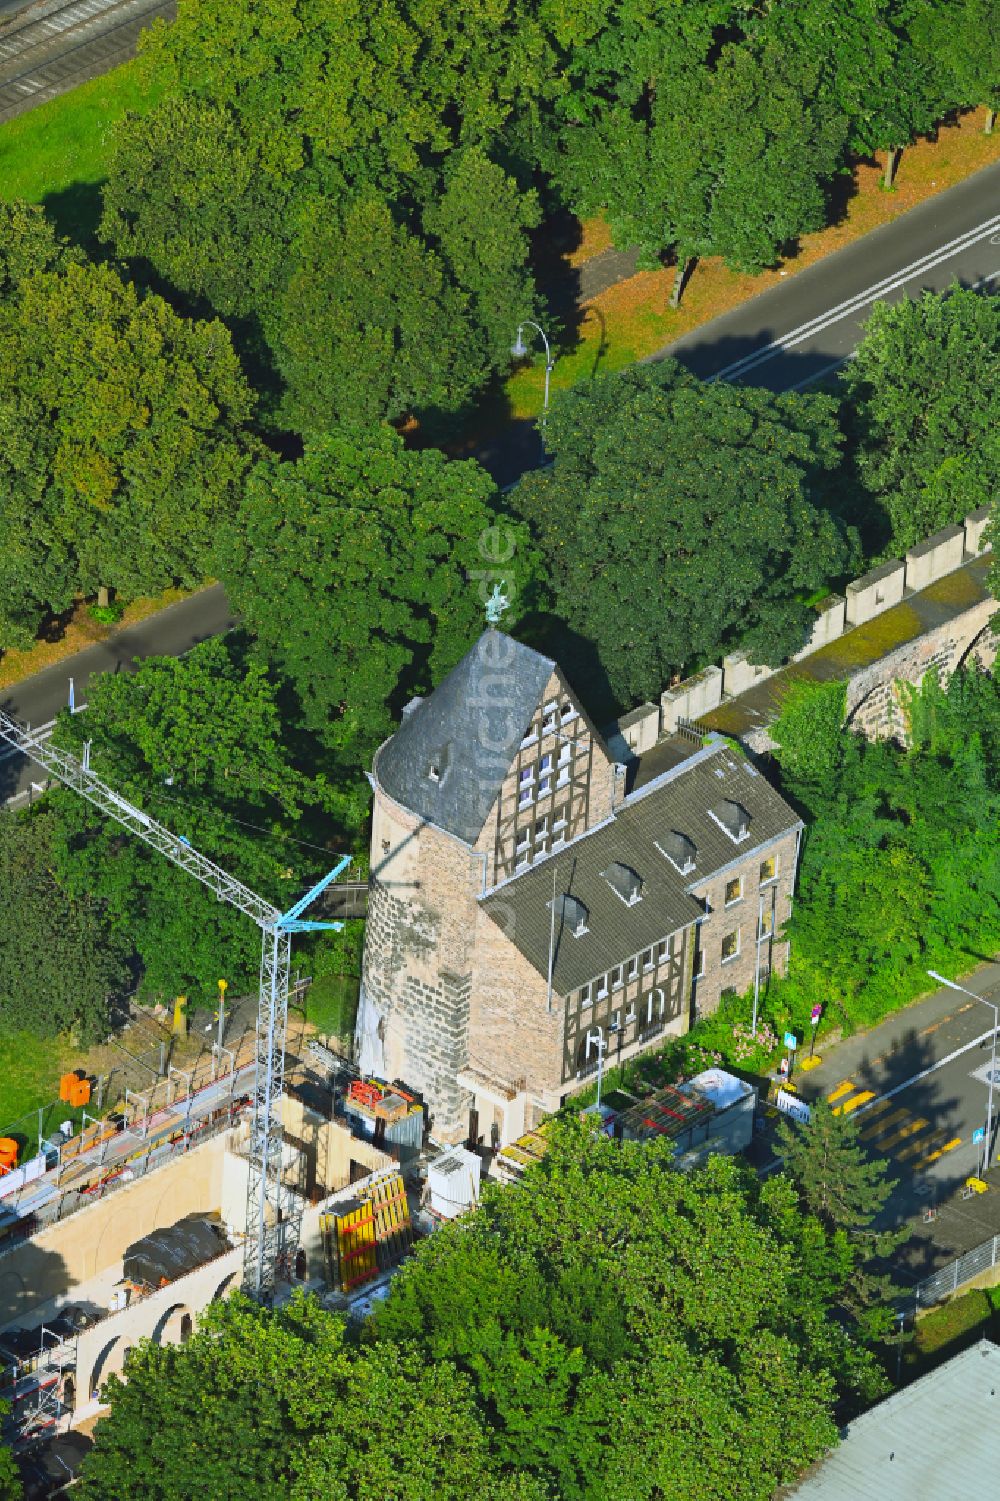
891 1129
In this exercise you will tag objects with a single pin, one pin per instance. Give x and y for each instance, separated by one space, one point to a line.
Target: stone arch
981 651
101 1369
226 1286
174 1326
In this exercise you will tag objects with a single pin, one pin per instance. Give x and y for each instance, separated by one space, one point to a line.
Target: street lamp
993 1059
519 350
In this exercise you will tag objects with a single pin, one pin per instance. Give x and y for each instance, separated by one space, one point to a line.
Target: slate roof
937 1440
469 730
678 800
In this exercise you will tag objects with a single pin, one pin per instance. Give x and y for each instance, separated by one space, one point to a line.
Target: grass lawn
29 1077
946 1330
57 154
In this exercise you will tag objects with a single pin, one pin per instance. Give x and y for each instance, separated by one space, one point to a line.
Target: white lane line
836 364
915 1079
861 299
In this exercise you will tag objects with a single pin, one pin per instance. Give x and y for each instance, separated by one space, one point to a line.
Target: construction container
8 1153
67 1083
453 1180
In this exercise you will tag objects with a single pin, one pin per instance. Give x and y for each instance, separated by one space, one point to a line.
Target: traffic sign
791 1041
817 1012
978 1134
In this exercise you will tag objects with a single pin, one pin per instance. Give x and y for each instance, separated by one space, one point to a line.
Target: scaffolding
34 1381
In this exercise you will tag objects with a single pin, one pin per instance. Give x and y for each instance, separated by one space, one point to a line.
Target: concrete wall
940 554
693 697
876 591
66 1254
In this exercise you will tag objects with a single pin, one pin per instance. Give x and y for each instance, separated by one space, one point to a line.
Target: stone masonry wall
513 1035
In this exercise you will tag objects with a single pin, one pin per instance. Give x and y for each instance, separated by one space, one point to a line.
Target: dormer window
679 850
732 818
438 768
573 913
624 882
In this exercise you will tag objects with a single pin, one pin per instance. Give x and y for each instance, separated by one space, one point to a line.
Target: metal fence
953 1276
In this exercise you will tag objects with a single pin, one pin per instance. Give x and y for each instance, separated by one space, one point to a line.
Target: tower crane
272 1226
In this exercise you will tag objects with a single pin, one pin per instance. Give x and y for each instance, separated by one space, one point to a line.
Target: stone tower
496 768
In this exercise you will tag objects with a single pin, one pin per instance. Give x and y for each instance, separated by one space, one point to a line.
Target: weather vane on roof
496 604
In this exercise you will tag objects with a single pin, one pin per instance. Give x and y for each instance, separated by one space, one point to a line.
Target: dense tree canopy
60 961
680 518
608 1277
360 571
900 867
201 743
924 400
321 175
123 442
282 1405
524 1354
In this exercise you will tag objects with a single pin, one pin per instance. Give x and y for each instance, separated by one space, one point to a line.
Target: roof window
732 818
573 914
624 882
679 850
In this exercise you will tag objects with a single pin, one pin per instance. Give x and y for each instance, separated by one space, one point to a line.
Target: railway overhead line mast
272 1215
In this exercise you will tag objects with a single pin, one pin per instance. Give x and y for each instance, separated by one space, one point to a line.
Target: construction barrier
366 1235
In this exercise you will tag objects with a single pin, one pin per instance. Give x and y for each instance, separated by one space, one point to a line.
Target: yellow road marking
859 1099
921 1146
901 1135
966 1007
928 1030
871 1114
955 1142
844 1087
883 1125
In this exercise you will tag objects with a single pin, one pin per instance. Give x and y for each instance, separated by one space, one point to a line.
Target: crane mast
272 1215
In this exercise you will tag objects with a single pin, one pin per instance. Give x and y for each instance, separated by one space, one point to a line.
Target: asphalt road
810 323
170 632
918 1087
796 332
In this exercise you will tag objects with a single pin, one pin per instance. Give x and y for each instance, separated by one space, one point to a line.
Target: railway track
53 45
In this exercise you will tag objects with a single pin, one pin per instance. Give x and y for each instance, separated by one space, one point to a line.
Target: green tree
60 962
202 744
678 520
356 570
606 1277
281 1404
124 445
11 1488
262 180
923 395
809 734
965 36
28 243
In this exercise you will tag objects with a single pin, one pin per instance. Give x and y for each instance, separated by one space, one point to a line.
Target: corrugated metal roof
681 800
937 1440
448 759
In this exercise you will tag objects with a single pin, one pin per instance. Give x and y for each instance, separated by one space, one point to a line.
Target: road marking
966 1007
967 1047
860 300
844 1087
904 1131
948 1146
933 1028
883 1125
859 1099
935 1139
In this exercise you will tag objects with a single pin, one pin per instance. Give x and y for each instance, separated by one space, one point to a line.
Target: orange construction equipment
80 1093
67 1084
8 1153
364 1093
